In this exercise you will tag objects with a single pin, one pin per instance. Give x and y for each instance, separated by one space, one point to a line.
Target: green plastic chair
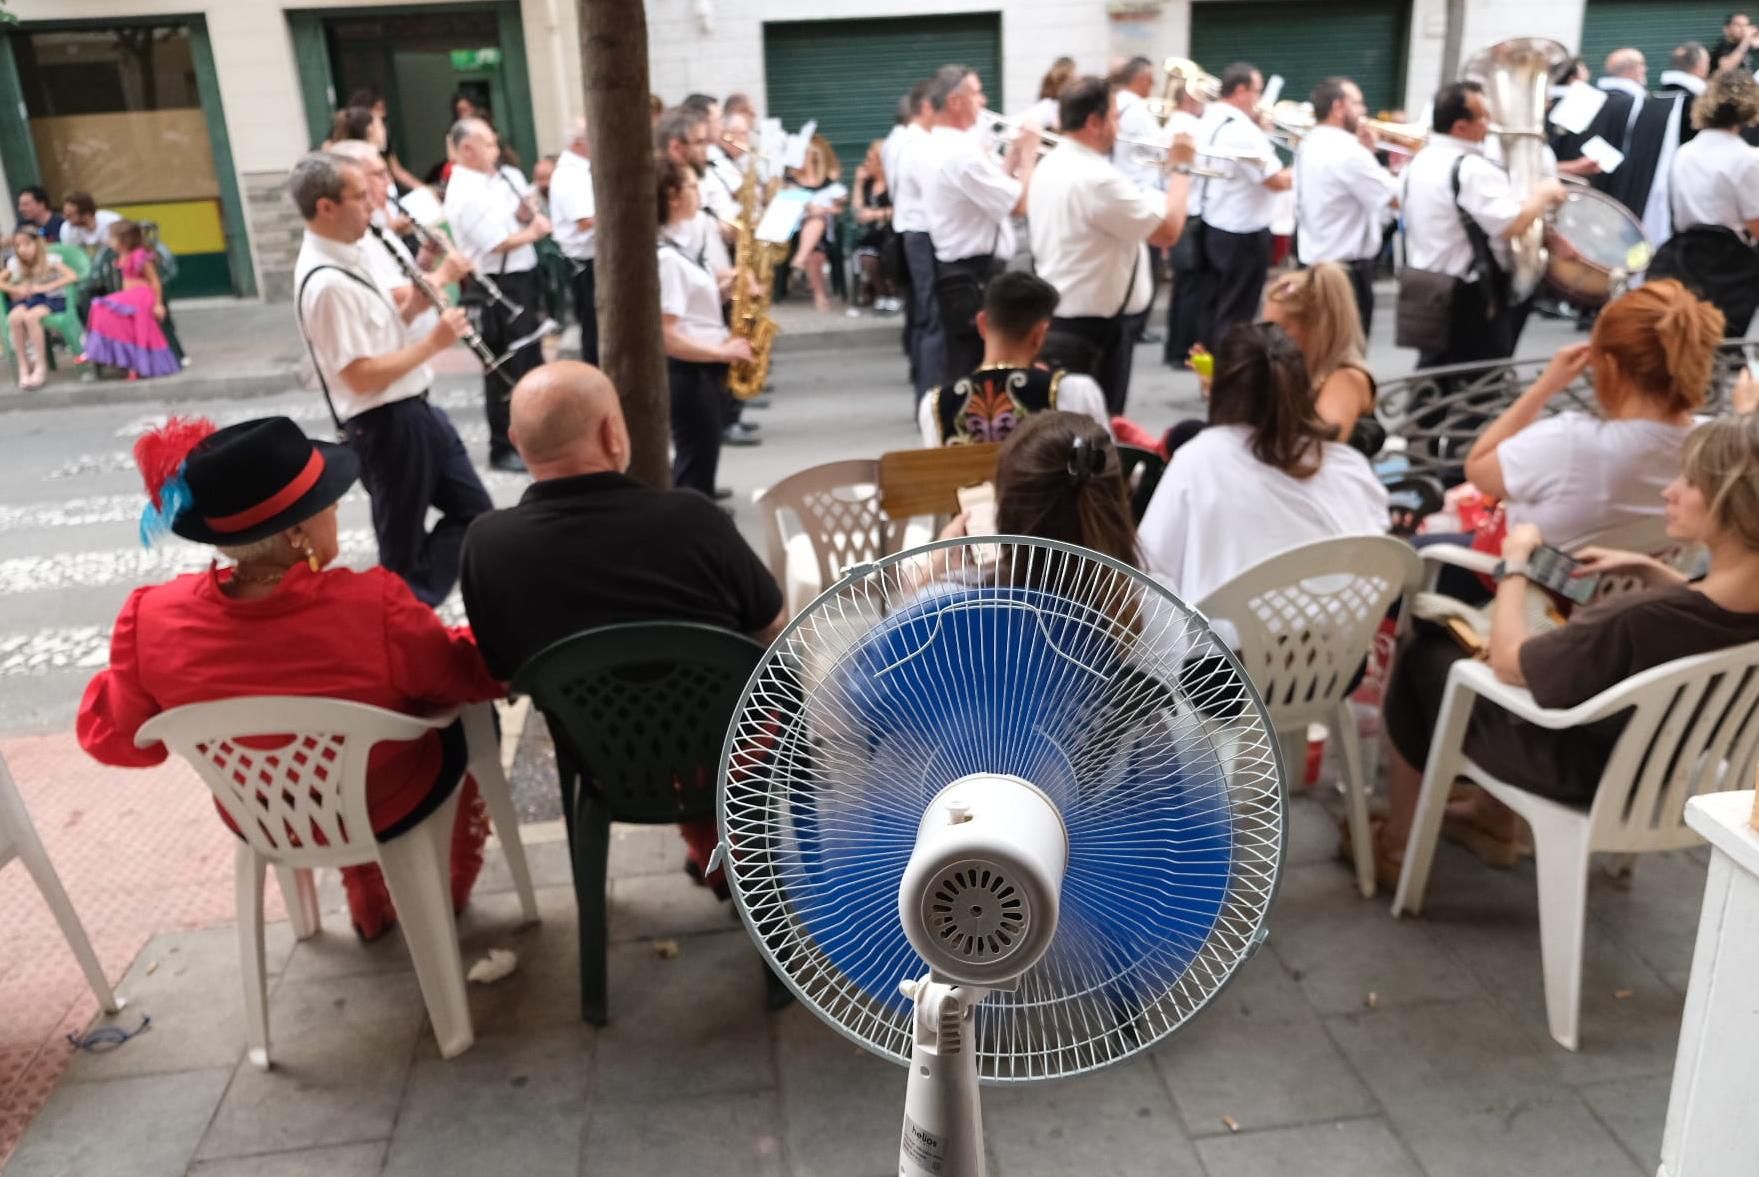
66 323
639 714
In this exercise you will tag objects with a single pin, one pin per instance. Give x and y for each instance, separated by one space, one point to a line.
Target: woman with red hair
1575 474
278 621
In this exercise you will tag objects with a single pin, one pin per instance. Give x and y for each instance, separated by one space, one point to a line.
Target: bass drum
1596 248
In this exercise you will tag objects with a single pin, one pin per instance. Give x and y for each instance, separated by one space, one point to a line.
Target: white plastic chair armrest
147 736
1481 680
1459 557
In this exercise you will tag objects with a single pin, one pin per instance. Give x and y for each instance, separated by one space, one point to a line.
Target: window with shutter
1305 42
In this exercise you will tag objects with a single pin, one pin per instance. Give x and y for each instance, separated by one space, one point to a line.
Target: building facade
188 113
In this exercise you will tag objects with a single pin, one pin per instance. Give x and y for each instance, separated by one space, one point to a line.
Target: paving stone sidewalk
1352 1045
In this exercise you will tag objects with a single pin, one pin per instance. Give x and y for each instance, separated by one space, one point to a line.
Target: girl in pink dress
124 327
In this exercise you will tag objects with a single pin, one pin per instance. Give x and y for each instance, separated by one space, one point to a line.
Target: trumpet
1185 76
472 337
1143 152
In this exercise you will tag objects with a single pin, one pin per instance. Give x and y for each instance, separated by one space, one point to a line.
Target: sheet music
423 207
783 215
1603 153
1577 108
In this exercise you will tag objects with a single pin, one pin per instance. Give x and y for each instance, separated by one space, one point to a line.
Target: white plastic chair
18 839
1693 728
819 521
303 804
1305 620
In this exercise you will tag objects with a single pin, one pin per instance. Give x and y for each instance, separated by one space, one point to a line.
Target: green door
849 74
1656 27
1306 42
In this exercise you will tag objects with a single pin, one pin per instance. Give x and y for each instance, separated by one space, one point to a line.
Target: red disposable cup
1315 755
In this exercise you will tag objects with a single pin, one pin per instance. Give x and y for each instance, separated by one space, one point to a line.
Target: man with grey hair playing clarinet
375 377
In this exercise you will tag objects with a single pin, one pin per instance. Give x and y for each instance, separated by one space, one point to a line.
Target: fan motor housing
979 898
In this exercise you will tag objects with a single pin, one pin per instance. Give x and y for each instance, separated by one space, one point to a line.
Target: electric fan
1001 808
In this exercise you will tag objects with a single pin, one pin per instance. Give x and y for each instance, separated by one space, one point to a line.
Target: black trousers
1231 283
499 330
584 286
928 348
1362 282
1183 308
697 394
411 461
963 345
1113 346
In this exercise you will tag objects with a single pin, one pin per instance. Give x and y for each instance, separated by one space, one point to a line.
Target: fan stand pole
943 1117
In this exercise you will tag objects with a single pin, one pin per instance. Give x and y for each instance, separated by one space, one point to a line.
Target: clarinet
472 337
433 241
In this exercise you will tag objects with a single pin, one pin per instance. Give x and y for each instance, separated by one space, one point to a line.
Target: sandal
1493 851
1389 861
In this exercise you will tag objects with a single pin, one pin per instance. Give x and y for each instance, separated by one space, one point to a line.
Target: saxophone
754 265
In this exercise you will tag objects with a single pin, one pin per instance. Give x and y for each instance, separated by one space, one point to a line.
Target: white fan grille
1040 660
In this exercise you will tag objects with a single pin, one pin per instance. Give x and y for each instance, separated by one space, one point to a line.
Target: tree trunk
613 58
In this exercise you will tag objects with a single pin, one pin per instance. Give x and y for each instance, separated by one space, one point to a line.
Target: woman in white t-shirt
1575 474
1265 476
698 345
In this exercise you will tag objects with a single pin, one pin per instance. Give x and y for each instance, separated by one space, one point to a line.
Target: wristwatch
1182 169
1504 570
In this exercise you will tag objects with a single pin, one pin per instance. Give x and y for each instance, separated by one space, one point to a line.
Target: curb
74 394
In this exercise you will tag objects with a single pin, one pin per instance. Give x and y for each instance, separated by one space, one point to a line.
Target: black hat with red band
237 485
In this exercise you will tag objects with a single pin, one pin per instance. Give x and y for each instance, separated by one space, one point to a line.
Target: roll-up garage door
849 74
1306 41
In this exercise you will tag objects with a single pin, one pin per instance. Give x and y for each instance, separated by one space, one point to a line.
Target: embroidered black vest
989 403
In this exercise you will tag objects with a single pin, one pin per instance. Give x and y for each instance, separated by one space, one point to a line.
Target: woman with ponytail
1574 474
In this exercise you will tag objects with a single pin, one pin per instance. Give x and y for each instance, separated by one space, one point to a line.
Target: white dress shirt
1135 121
350 318
889 149
382 262
701 238
482 210
689 291
719 195
1088 223
1715 181
905 175
1075 394
1238 202
968 200
1435 239
1341 197
1218 510
571 201
94 239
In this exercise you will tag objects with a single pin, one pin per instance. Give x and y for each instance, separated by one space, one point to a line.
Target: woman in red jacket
278 621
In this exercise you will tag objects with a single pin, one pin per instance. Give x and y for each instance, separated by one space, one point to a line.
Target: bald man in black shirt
587 545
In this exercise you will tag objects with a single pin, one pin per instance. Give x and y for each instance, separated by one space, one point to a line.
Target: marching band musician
906 166
1234 214
375 377
970 202
698 344
572 213
1715 192
1341 192
1448 177
682 137
387 258
1089 224
486 210
1136 123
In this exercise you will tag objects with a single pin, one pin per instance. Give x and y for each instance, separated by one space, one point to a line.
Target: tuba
753 282
1516 75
